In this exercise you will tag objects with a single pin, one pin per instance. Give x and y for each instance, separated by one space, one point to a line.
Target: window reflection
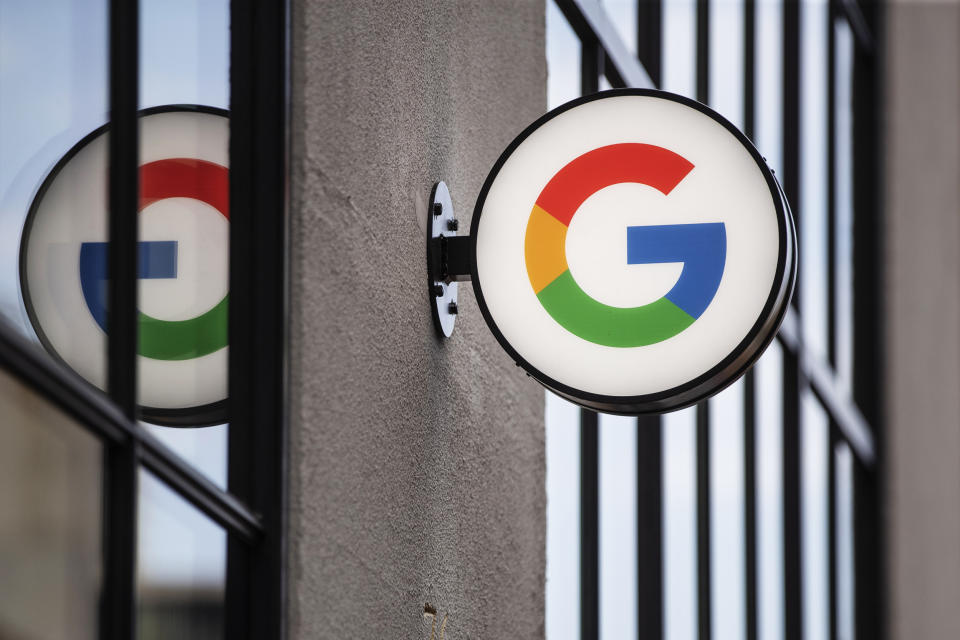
50 513
813 175
769 396
181 567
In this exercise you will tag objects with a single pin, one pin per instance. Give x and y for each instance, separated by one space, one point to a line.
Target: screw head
452 308
438 289
437 209
453 224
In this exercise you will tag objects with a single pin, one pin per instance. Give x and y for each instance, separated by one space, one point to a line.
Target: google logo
700 247
632 251
182 270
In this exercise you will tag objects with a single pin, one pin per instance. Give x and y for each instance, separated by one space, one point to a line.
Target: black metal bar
751 611
858 24
118 598
591 67
832 589
854 428
792 565
118 603
870 615
54 381
868 340
589 525
257 441
751 608
703 52
649 528
650 38
704 601
123 195
197 489
831 76
591 24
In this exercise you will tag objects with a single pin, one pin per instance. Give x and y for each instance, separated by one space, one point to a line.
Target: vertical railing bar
650 556
833 438
257 438
649 528
118 604
589 526
650 37
704 608
751 612
792 565
591 67
832 588
871 575
831 187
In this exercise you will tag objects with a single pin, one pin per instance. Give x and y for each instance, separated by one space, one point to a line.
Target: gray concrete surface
418 464
923 318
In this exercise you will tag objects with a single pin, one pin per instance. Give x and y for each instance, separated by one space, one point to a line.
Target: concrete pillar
922 122
418 463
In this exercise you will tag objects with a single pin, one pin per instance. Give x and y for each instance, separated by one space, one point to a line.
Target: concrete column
923 317
418 463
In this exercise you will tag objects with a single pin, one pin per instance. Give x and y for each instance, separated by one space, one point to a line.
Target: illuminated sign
632 251
182 271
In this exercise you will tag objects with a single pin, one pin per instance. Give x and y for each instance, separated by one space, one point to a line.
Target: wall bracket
449 259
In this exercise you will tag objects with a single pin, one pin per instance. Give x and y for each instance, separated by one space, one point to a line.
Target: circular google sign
182 271
633 252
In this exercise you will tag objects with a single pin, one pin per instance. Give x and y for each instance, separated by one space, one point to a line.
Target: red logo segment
646 164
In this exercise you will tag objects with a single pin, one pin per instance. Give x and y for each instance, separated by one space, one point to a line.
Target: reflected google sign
182 271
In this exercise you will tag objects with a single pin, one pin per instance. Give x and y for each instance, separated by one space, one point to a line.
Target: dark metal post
589 526
792 566
704 600
258 222
118 602
649 528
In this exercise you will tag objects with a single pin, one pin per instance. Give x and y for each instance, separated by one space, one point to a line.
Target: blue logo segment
702 248
156 260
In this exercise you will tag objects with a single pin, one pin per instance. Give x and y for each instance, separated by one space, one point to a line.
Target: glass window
843 204
563 59
769 398
680 524
815 448
727 557
181 573
845 558
623 14
618 526
726 59
768 78
53 93
813 175
563 519
185 61
50 515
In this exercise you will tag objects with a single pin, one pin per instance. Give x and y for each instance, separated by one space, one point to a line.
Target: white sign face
182 271
633 251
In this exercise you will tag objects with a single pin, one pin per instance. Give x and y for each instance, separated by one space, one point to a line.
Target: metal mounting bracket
449 259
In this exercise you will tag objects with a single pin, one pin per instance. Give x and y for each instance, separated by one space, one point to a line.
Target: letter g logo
700 247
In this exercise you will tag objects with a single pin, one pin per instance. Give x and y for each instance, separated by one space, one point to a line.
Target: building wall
418 464
922 192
